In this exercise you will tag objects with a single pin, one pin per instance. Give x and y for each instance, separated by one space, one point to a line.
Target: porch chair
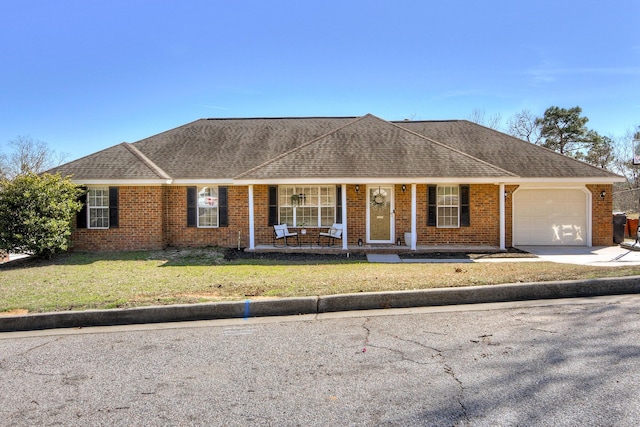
334 233
282 232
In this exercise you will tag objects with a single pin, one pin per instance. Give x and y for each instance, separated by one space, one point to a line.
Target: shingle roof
324 148
370 147
224 148
504 151
118 162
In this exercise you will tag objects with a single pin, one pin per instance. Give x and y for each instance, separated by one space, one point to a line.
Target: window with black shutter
223 210
432 208
81 216
273 205
465 212
192 206
114 217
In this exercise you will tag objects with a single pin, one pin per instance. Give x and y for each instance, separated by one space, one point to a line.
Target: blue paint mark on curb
246 309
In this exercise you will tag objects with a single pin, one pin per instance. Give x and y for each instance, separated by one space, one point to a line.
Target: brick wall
178 234
485 219
156 217
140 223
601 215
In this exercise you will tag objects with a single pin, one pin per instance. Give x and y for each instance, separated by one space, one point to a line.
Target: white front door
380 208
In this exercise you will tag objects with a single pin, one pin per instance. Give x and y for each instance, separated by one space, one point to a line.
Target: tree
28 155
36 212
563 130
480 117
601 150
523 125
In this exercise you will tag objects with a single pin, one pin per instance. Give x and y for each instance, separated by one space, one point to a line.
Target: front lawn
79 281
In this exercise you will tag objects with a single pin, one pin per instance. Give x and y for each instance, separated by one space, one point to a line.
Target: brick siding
601 215
140 223
154 217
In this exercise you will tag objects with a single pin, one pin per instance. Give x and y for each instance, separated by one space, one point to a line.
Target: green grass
80 281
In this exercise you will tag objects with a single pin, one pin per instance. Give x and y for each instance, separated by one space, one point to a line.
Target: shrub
36 213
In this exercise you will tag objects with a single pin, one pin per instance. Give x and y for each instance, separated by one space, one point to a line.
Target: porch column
252 235
345 236
501 195
414 211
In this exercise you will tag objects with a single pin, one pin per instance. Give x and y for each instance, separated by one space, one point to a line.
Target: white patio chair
334 233
282 232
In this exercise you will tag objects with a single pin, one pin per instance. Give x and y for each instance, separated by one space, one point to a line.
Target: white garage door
550 217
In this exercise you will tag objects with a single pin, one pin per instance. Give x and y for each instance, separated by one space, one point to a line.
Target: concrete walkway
600 256
597 256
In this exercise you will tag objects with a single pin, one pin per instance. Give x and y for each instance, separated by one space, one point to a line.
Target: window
448 206
311 206
207 206
98 207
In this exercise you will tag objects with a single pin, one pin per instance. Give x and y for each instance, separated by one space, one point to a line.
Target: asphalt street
553 362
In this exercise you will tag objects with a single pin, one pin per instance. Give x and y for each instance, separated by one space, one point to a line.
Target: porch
379 248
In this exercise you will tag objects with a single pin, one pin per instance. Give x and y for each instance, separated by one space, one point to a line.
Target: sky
84 75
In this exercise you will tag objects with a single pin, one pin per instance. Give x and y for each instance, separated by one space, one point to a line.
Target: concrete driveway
601 256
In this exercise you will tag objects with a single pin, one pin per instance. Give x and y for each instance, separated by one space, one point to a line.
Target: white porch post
345 236
501 195
414 211
252 234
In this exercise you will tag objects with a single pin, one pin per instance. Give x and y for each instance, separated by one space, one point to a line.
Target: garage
550 217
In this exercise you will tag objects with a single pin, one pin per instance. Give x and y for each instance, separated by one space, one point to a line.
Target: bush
36 213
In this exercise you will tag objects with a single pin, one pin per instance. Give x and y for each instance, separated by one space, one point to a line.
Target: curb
324 304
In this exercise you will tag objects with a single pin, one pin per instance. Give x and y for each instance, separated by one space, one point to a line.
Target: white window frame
320 197
445 197
96 204
208 199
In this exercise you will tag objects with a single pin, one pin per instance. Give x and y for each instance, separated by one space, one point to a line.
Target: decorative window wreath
379 201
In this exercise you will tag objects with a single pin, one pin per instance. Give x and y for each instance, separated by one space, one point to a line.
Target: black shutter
465 212
81 216
223 211
192 206
339 204
113 208
273 205
432 205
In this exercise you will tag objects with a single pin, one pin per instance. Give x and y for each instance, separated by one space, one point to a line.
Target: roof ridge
450 148
282 118
144 159
299 147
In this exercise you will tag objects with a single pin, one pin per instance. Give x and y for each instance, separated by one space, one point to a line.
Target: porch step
384 258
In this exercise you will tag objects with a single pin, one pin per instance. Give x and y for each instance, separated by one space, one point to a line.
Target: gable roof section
225 148
120 162
370 147
515 155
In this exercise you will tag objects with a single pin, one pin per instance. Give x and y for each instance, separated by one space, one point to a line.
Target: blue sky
84 75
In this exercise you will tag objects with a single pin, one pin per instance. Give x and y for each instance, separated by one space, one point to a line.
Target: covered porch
396 223
374 248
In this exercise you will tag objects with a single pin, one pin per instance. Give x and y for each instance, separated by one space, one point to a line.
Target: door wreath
379 200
